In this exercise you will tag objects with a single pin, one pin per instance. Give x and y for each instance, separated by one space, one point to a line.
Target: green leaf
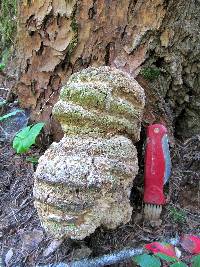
10 114
165 257
2 66
196 261
179 264
32 159
26 137
146 260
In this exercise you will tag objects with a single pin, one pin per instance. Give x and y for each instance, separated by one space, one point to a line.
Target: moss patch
84 96
150 73
8 25
79 118
74 27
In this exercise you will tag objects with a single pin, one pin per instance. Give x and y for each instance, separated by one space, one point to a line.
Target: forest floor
24 243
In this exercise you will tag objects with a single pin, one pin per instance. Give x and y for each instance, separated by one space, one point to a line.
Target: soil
24 243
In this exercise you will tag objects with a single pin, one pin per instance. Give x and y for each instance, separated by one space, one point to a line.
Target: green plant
27 137
163 254
196 261
74 27
157 260
9 114
32 159
150 73
5 58
145 260
2 66
8 25
177 215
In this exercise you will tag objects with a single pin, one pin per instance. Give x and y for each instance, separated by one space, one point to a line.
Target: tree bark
58 38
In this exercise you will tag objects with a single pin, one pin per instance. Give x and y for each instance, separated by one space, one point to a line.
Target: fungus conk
85 180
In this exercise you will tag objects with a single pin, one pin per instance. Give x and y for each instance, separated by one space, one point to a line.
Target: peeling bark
58 38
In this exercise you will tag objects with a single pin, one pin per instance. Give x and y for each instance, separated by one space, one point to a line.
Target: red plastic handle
154 165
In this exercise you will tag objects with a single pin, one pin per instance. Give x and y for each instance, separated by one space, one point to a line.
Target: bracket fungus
85 180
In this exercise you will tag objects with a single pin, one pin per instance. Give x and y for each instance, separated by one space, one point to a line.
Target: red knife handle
155 165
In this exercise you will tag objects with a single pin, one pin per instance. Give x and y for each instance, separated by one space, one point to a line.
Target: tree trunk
155 41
